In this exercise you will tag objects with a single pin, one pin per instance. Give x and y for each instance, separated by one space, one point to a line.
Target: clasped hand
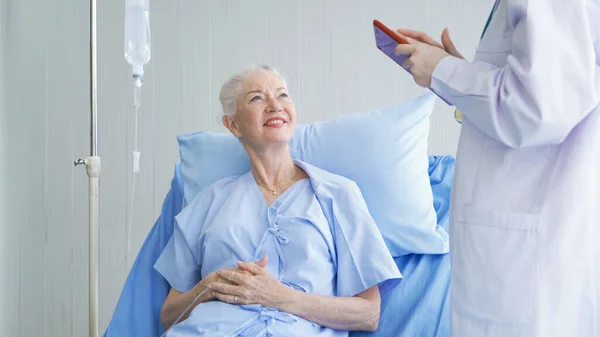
254 285
425 53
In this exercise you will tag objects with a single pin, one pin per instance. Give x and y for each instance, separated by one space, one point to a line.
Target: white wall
325 48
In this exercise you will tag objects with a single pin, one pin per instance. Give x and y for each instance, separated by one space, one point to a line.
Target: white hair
231 89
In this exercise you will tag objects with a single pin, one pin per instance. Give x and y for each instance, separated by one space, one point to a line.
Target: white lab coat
525 228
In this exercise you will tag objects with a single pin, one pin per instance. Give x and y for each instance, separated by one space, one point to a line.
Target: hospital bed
417 307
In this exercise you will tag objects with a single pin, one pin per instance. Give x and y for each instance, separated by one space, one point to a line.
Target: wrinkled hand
425 53
258 288
214 277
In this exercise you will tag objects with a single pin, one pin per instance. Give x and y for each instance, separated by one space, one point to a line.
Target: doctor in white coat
525 225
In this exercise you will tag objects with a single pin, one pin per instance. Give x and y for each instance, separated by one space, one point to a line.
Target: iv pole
92 165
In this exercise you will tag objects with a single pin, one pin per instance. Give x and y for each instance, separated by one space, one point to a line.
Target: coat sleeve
550 83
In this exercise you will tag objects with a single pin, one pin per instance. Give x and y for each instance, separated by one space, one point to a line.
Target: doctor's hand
447 43
425 54
259 288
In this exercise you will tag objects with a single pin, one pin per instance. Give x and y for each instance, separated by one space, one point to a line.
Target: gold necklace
274 191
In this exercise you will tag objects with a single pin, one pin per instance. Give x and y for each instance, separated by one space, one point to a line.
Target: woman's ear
231 125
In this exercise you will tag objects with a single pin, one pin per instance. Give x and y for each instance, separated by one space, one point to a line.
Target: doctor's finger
408 63
405 49
449 44
420 36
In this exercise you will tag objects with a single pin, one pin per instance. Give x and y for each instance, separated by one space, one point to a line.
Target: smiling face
265 114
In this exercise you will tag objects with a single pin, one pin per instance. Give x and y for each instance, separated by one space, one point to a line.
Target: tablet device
387 40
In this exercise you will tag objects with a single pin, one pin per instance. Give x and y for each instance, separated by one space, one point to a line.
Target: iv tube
136 165
137 54
184 312
136 102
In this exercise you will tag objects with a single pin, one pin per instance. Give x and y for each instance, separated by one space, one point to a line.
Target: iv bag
137 35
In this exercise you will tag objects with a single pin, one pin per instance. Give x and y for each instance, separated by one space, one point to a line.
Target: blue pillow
383 151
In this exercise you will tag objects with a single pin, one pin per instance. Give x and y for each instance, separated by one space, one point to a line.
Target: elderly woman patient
286 249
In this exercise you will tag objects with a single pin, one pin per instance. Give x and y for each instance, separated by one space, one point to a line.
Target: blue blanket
417 307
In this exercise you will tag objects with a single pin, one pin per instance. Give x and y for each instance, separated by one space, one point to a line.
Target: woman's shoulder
324 180
209 198
222 186
227 182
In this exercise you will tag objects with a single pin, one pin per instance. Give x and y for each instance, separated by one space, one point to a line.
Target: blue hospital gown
230 221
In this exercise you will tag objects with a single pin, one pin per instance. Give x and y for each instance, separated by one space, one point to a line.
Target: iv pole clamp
92 165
